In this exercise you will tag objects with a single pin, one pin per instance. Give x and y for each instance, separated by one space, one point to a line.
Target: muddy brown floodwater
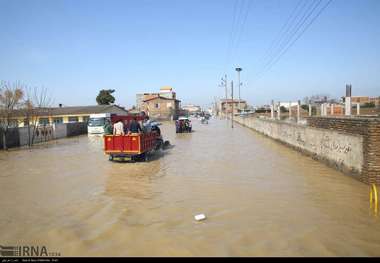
260 198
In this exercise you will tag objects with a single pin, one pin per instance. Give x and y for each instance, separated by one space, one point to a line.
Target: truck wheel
166 144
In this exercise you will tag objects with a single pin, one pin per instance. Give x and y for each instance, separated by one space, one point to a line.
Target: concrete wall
60 130
369 129
74 129
12 138
20 136
340 150
24 137
42 134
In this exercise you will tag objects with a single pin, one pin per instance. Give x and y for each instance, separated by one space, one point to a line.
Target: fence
22 136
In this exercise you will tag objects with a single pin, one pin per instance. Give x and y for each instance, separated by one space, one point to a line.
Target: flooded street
260 198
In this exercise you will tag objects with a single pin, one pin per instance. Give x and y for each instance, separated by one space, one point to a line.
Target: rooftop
72 110
160 97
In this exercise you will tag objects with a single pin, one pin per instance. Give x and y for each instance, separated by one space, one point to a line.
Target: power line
230 39
282 33
289 33
240 14
238 22
242 27
297 37
294 31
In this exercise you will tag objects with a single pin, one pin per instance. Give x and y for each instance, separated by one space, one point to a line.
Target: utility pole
224 84
239 84
272 110
232 96
214 105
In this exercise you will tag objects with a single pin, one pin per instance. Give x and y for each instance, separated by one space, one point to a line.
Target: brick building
166 92
161 108
226 105
365 99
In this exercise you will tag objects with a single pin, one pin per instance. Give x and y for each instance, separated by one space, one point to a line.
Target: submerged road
260 198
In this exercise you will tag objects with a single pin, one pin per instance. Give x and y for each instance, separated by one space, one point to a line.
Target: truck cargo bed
133 144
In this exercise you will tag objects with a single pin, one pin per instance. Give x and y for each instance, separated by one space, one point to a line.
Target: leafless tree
37 104
11 96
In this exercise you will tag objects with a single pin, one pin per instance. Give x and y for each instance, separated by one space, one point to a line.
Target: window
43 121
73 119
96 122
58 120
157 106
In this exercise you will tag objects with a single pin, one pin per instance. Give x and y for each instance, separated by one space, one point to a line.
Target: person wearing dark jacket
134 126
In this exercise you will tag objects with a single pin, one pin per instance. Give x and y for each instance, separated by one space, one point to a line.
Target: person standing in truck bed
108 127
118 128
134 126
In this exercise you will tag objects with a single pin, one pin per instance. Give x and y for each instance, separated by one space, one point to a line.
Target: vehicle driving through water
133 146
183 124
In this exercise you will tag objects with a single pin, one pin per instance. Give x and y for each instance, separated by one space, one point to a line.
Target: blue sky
76 48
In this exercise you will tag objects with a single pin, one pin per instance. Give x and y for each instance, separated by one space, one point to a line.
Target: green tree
105 97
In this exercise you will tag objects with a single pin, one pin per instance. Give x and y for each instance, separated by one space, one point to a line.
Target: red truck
134 146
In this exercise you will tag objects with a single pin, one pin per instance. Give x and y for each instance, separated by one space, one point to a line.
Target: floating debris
200 217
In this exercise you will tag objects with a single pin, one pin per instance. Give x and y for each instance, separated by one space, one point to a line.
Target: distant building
360 99
190 108
226 105
144 96
286 104
165 92
161 108
266 107
365 99
375 100
46 116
